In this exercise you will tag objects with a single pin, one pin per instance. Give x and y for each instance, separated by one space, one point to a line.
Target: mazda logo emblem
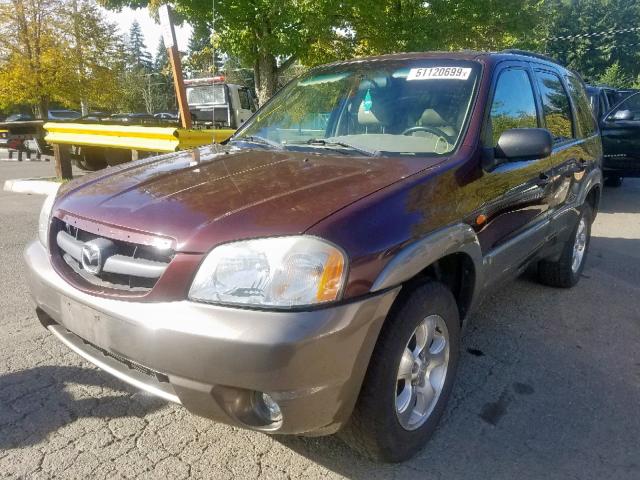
91 258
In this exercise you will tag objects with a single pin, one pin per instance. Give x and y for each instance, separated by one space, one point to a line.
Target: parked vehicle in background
166 116
212 102
620 130
139 118
19 117
601 99
96 116
64 115
313 275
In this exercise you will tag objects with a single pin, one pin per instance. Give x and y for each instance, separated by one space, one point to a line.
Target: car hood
212 195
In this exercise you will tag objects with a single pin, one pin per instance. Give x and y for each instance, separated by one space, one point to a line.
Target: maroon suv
313 274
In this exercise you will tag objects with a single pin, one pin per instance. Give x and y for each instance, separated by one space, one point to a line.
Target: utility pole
169 37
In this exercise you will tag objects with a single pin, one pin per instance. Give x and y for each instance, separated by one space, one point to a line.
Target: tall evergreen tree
140 58
161 60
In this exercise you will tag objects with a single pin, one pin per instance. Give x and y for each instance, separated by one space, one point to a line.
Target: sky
151 30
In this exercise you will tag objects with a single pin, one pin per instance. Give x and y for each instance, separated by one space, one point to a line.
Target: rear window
555 106
206 95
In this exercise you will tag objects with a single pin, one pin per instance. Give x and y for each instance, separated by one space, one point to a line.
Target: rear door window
513 105
584 115
555 105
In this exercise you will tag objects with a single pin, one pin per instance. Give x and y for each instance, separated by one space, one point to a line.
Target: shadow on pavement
39 401
623 199
536 394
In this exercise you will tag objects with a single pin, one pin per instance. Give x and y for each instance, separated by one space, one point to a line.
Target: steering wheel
434 130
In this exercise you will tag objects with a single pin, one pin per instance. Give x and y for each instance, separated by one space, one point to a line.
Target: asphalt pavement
548 387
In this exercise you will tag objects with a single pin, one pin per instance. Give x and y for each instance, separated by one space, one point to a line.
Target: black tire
614 181
560 273
374 429
90 159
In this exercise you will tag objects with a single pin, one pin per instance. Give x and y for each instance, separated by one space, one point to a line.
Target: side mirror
621 115
524 144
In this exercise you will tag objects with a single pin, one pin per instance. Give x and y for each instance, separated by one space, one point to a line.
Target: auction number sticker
435 73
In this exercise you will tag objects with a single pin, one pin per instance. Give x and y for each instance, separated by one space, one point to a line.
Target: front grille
123 266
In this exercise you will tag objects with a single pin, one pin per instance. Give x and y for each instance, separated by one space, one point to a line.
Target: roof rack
526 53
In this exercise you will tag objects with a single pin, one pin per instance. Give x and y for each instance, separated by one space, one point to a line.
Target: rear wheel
410 377
566 271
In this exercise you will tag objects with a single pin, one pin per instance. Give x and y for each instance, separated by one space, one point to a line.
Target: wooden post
62 155
169 37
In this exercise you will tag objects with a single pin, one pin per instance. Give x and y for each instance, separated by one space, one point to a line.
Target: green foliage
55 51
63 52
614 77
386 26
202 59
592 55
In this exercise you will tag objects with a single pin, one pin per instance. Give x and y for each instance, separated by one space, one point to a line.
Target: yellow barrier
195 138
131 137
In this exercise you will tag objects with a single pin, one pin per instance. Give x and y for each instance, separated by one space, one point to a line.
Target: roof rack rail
527 53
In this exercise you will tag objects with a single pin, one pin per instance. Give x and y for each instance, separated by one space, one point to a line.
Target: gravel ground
549 385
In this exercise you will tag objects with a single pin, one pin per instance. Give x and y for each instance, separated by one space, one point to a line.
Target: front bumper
213 359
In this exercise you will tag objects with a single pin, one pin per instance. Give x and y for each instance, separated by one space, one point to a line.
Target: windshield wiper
260 140
329 143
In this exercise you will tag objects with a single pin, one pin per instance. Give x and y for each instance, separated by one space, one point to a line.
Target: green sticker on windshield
368 103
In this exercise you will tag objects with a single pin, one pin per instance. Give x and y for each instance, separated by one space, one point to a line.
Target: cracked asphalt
548 387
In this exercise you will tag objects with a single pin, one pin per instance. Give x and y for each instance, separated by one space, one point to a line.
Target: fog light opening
268 408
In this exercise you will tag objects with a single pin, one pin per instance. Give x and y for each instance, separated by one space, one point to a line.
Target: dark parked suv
313 275
620 129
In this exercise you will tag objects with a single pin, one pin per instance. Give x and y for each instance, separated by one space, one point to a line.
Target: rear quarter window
584 115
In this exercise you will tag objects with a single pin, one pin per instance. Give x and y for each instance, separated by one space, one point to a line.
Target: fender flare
418 255
594 178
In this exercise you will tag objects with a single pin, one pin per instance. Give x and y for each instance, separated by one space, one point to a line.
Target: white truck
214 103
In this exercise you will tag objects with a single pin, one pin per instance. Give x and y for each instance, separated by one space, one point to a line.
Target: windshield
206 95
392 107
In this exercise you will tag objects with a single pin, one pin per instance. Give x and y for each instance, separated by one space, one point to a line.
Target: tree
56 51
387 26
90 57
200 52
32 55
591 36
140 57
164 92
161 59
268 35
614 77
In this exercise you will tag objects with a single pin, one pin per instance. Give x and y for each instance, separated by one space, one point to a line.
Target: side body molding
415 257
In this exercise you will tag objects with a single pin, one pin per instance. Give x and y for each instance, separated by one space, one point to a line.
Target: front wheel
566 271
410 377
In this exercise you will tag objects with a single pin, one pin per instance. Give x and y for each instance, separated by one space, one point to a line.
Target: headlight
271 272
45 219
